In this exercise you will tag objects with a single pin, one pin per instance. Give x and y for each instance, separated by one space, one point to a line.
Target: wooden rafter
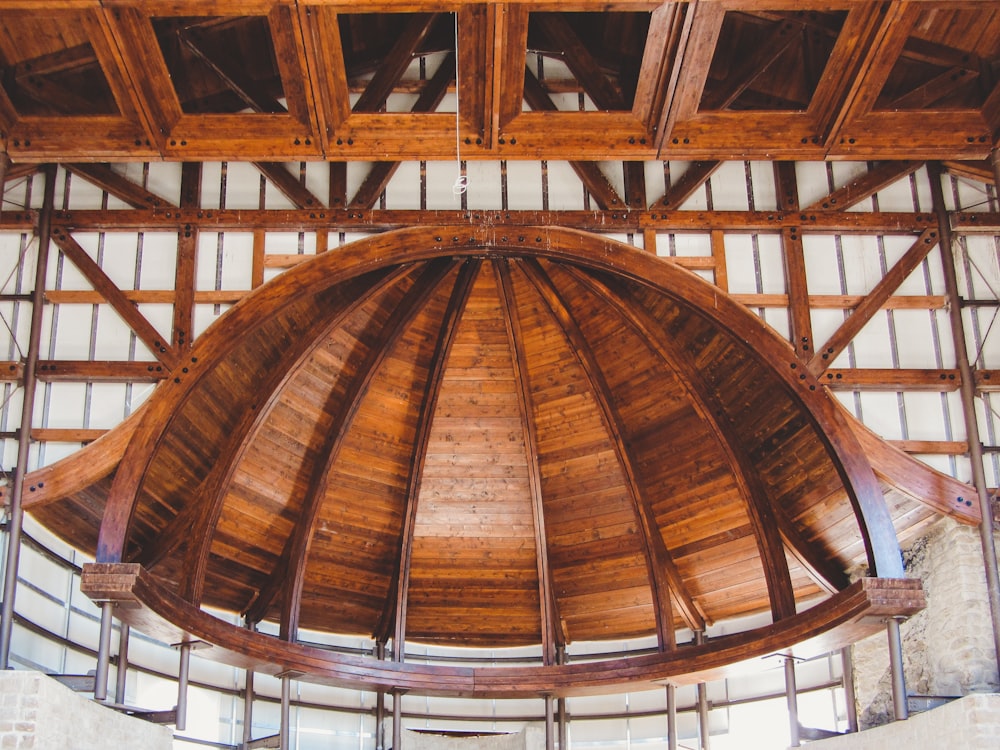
787 192
122 188
393 619
395 63
873 302
865 186
693 178
157 344
551 634
664 577
580 61
182 336
299 195
289 574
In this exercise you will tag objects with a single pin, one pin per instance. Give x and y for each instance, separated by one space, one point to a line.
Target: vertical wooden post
122 674
792 700
248 709
900 708
561 718
15 511
183 670
671 717
104 652
968 392
380 703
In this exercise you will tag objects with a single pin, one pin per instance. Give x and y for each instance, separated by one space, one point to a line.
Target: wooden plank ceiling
260 80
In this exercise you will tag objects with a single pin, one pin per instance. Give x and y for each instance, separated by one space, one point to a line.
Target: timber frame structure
633 390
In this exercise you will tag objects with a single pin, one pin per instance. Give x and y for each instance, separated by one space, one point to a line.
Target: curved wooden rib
80 470
289 575
395 604
940 492
664 577
547 601
769 524
849 615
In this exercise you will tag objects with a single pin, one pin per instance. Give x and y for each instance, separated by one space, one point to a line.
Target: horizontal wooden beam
624 220
847 616
887 379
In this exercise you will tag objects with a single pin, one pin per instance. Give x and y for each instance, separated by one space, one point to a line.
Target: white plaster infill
39 713
969 723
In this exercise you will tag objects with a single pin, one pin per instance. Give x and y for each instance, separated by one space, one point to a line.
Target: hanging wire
461 183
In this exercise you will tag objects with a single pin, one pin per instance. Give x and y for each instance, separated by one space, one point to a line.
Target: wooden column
15 511
847 677
550 724
968 393
397 719
380 704
248 693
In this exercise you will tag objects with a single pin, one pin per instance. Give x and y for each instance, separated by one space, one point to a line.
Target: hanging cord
461 183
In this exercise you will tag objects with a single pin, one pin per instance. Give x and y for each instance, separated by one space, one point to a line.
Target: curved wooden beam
395 604
770 526
664 577
848 616
288 577
515 338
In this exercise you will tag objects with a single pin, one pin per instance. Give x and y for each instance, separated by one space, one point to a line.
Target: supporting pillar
550 723
122 673
104 652
847 678
16 512
562 725
248 709
284 728
703 730
183 671
380 703
900 707
792 700
968 393
671 717
397 719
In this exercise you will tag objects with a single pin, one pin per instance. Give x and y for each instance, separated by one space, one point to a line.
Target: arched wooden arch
640 364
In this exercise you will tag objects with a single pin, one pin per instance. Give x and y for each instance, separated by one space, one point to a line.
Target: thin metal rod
286 702
121 675
968 394
104 652
550 723
792 700
183 671
16 512
847 678
900 707
702 693
671 717
397 720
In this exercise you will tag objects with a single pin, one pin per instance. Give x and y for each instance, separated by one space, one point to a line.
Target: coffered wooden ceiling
580 81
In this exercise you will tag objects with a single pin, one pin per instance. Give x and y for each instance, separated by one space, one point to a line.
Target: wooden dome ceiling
468 437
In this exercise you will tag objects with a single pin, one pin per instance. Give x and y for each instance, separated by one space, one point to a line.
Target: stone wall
970 723
947 648
38 713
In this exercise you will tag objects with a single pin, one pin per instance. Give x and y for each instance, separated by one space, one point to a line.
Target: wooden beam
551 632
122 188
873 302
381 172
589 173
154 341
882 176
787 194
581 63
888 379
187 259
396 62
393 619
664 577
748 69
299 195
288 576
693 178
